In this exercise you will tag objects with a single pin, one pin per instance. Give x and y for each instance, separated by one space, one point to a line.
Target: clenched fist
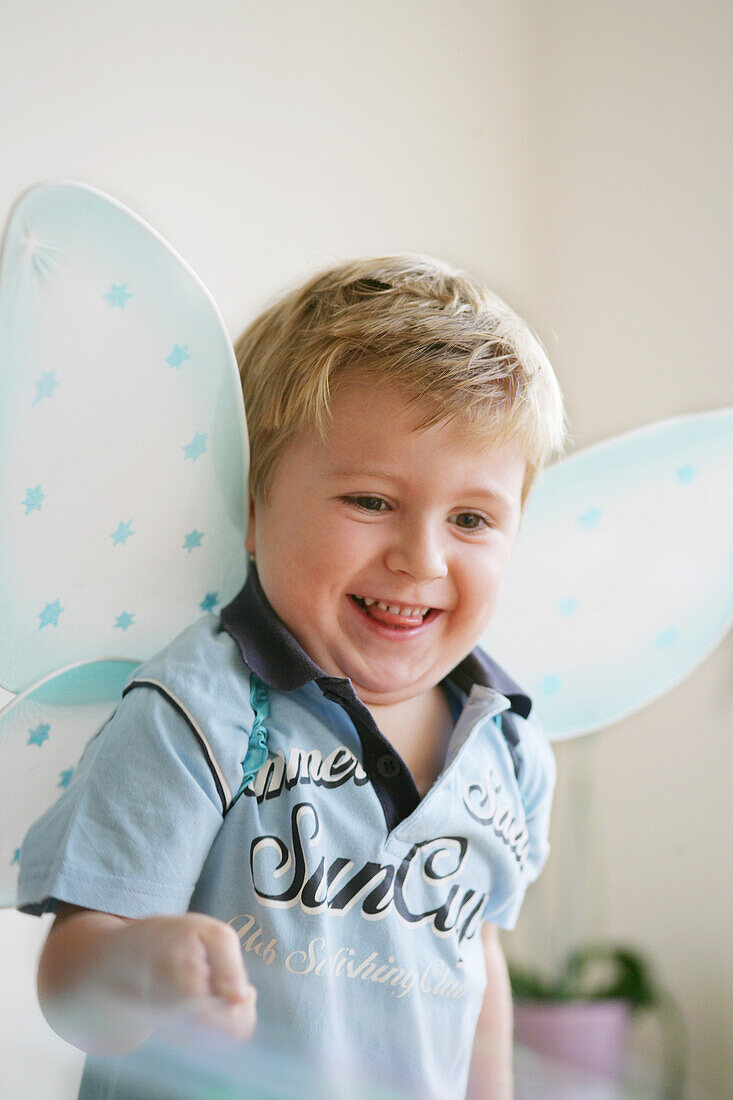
107 982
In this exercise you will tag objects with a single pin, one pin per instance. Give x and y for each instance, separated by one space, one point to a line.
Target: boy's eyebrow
496 495
361 471
493 494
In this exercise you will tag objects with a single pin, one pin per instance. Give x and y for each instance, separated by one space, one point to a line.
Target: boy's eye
470 521
367 504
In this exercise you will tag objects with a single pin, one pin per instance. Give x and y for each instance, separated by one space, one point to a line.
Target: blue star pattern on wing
685 474
124 620
209 601
122 534
39 734
589 520
196 447
192 540
568 606
666 639
50 614
16 857
45 385
65 777
551 684
178 356
118 296
33 500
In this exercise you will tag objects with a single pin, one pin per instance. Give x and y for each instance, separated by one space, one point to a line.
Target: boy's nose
419 553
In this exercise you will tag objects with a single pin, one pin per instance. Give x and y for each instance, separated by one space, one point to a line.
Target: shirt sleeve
536 781
131 832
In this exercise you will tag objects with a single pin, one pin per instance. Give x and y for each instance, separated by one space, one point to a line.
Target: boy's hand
192 962
106 982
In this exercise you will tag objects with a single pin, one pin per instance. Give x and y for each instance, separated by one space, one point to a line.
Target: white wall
575 154
264 139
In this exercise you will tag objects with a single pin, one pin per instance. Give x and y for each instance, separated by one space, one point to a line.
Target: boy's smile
384 549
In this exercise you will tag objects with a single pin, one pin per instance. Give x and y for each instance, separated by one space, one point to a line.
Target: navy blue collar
273 654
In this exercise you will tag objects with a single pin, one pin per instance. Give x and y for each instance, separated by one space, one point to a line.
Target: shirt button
388 766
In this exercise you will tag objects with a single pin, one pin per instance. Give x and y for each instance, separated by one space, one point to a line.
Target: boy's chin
390 690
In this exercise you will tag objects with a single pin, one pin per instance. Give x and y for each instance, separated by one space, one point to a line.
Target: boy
328 781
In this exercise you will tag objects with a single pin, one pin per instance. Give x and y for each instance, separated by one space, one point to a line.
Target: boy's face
385 515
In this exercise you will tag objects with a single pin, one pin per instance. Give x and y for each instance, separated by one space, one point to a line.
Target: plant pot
588 1034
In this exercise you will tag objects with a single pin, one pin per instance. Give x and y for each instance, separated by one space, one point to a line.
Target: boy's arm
105 982
491 1076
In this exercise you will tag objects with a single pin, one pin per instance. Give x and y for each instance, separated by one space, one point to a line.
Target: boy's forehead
371 422
378 432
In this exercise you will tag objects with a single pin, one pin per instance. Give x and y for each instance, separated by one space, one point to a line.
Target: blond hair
409 320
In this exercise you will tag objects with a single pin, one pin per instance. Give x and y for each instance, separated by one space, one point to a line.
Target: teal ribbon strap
256 754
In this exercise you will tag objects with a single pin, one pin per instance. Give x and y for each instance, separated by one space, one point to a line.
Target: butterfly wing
124 454
621 580
122 439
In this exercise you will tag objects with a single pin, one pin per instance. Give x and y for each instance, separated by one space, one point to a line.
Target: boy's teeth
406 612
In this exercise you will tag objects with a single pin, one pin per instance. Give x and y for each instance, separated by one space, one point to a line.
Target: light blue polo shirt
236 779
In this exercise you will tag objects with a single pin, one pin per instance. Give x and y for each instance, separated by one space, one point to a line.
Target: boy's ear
249 542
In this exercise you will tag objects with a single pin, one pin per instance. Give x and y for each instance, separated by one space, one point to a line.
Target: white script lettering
482 802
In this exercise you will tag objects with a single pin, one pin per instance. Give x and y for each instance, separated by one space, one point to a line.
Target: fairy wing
122 439
124 454
621 580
